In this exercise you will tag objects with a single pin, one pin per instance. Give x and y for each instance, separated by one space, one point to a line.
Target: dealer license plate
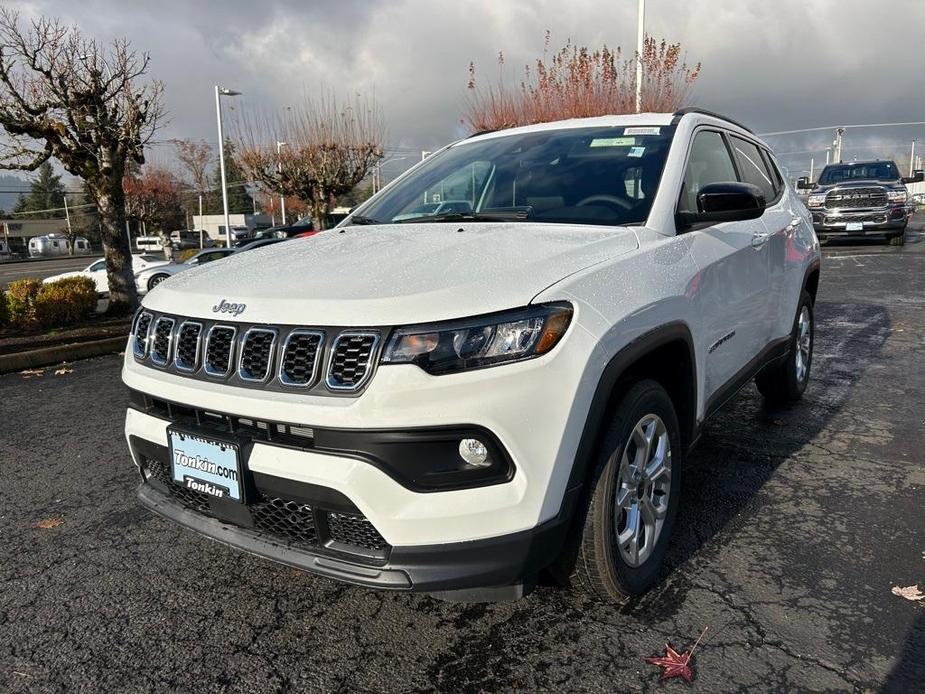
854 226
206 465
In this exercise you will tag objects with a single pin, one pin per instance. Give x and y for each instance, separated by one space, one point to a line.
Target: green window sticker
613 142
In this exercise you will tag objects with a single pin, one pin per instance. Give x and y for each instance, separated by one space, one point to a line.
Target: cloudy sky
777 65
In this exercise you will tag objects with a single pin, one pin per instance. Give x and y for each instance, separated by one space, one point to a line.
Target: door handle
759 238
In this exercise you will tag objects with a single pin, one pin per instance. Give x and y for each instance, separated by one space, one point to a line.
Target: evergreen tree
46 193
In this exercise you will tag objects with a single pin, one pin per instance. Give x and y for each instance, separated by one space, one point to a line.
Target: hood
392 274
859 183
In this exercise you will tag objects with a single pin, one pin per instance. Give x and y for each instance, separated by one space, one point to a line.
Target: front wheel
633 498
786 381
156 280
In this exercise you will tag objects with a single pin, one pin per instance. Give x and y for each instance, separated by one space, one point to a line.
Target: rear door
733 261
778 219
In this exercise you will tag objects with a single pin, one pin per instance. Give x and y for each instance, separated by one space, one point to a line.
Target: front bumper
497 563
321 531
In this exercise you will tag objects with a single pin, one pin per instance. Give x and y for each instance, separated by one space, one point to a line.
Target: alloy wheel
804 344
643 488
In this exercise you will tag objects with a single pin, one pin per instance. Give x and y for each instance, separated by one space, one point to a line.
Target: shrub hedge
31 304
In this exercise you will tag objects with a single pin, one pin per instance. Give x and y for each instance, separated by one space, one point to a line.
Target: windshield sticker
642 131
613 142
636 152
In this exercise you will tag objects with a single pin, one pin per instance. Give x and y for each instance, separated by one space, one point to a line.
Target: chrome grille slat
255 362
351 362
189 342
301 354
219 353
140 334
162 340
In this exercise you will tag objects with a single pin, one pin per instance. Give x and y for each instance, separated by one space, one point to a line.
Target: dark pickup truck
860 199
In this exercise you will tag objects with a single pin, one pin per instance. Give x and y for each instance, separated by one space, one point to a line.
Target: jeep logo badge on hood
226 307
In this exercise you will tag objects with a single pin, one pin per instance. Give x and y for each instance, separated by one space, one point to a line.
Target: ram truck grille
856 198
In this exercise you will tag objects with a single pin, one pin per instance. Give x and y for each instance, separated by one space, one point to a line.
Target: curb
48 356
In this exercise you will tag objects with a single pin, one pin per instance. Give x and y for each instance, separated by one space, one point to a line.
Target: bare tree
66 96
154 196
329 149
575 82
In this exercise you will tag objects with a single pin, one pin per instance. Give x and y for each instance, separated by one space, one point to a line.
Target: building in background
214 224
16 233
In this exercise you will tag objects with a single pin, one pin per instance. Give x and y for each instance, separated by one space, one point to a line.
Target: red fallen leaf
676 664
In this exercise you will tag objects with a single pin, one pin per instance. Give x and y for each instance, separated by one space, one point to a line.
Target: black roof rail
694 109
483 132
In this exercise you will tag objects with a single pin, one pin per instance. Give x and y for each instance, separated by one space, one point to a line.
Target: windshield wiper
509 216
360 220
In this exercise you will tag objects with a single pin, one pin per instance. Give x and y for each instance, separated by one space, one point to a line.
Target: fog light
474 452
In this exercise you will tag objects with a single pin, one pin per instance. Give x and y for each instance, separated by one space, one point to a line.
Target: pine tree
46 193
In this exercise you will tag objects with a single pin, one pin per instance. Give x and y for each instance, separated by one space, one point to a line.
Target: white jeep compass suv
453 402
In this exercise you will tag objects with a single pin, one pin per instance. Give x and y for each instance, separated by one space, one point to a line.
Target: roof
627 119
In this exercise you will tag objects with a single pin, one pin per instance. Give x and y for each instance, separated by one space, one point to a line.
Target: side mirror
916 177
724 202
803 183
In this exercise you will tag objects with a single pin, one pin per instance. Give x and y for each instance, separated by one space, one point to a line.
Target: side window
752 167
776 177
98 265
709 162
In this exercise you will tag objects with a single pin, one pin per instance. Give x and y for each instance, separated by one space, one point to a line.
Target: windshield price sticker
642 131
637 152
613 142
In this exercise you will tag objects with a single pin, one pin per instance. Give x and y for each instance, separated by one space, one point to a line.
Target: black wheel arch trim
615 369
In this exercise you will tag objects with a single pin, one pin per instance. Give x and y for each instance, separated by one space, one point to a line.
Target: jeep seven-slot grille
257 354
321 360
219 349
300 358
187 350
350 363
856 198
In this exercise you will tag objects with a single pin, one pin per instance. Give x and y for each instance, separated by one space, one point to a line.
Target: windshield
603 175
878 170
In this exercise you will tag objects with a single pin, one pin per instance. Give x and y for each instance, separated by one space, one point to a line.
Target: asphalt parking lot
10 272
796 525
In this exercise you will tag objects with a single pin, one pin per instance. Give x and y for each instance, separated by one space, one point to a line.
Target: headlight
474 343
897 195
815 201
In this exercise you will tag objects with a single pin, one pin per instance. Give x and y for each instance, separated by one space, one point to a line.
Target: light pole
220 92
377 172
912 160
836 145
640 45
279 167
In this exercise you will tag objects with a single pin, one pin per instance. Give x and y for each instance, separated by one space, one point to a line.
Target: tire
603 568
898 239
786 381
156 280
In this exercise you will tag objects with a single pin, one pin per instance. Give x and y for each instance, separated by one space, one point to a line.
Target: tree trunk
110 202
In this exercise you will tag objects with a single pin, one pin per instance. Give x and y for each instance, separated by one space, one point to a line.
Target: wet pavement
795 526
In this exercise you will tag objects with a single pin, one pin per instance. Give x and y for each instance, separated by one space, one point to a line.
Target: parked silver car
149 279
